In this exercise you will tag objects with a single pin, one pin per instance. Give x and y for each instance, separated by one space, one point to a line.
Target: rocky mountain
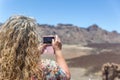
71 34
0 24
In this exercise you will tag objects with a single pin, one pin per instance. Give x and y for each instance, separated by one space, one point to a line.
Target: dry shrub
111 71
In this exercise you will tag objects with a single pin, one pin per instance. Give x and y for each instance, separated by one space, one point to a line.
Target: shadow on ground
93 62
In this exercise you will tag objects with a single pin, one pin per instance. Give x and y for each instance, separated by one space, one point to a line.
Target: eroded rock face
0 24
71 34
111 71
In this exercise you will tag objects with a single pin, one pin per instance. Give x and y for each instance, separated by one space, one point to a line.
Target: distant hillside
71 34
0 24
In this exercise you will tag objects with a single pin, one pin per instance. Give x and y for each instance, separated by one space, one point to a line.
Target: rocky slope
71 34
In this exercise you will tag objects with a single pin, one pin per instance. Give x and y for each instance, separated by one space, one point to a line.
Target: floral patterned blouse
52 71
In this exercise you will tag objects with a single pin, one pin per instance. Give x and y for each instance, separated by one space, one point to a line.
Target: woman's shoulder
52 70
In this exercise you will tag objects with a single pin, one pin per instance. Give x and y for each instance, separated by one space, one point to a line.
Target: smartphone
48 39
49 48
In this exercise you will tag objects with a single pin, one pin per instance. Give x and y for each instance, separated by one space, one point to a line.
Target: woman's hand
56 44
42 47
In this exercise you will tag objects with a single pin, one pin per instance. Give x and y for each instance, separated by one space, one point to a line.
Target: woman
20 55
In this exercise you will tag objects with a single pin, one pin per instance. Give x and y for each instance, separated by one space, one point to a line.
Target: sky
82 13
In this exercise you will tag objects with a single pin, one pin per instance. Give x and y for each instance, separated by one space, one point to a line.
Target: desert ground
85 62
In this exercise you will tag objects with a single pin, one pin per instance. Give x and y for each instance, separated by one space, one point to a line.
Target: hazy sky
83 13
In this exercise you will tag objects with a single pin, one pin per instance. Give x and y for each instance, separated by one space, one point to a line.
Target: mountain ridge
71 34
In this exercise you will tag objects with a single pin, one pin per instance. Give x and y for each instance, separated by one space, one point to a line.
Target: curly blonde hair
19 49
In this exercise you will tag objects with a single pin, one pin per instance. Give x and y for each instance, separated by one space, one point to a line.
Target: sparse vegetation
111 71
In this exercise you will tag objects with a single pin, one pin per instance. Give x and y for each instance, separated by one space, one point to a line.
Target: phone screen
47 40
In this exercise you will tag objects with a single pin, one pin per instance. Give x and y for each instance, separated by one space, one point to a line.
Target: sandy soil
85 62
